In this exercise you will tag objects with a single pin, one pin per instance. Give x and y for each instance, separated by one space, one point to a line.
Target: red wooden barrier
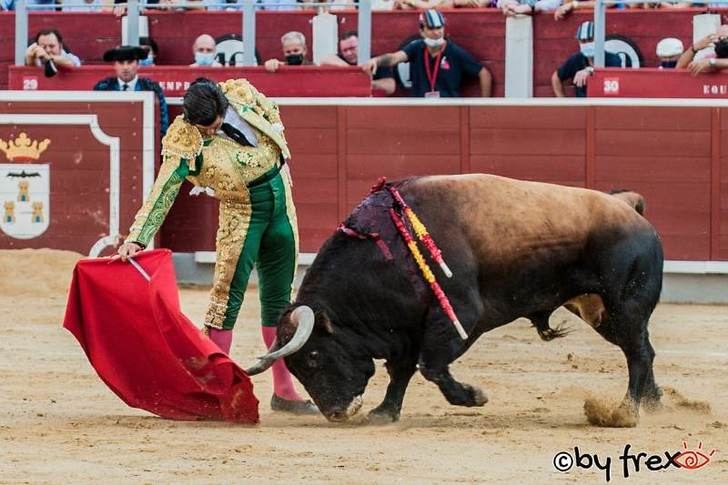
676 157
663 83
288 81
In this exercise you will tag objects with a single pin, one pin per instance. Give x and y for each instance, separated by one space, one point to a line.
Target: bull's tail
635 200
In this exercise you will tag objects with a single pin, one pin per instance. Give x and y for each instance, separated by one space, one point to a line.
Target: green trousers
270 247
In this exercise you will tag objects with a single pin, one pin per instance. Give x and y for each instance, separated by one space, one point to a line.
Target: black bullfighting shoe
294 407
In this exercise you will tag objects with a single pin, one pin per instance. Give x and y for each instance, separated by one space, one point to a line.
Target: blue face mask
149 61
204 58
587 48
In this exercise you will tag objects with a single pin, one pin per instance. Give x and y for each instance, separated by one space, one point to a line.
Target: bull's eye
313 359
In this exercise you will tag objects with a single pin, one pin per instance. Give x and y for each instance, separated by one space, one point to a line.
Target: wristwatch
712 61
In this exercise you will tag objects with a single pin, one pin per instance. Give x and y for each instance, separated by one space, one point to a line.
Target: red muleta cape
144 348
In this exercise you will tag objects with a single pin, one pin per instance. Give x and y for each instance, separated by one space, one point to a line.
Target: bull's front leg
455 392
400 373
435 367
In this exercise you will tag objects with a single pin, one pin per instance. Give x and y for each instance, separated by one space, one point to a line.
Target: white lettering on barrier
715 89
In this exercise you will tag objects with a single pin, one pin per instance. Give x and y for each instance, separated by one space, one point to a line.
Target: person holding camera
47 51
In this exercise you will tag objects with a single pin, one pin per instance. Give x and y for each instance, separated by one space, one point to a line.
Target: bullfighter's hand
127 250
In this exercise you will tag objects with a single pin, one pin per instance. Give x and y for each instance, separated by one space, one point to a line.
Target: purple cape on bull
516 249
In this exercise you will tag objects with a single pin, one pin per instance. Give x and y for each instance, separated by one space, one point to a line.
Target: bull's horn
304 319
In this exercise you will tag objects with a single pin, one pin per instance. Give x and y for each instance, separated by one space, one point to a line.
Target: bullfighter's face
333 368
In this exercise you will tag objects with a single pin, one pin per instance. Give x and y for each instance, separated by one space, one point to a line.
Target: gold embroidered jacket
218 163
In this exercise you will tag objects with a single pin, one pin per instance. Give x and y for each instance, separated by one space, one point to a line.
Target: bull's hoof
479 397
470 396
652 403
380 416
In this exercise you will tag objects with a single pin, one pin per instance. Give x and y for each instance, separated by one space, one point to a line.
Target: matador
229 143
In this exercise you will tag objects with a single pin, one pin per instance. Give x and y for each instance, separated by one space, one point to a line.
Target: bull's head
331 366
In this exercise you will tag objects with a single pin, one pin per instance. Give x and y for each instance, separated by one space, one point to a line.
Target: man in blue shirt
580 66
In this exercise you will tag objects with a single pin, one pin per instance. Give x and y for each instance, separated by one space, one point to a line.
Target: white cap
669 47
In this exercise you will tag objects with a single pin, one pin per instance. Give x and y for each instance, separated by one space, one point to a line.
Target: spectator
430 4
437 65
701 51
88 6
49 52
294 52
669 51
349 56
273 5
41 5
126 64
203 49
181 5
511 8
568 7
152 49
713 63
579 66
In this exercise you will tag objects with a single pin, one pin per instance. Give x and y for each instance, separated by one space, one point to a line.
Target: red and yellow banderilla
425 268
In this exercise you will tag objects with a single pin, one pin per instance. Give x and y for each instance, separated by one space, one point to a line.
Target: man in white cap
580 66
669 51
437 64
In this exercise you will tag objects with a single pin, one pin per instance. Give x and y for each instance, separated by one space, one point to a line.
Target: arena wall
674 152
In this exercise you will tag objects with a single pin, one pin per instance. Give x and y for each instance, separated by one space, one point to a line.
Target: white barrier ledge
696 267
674 267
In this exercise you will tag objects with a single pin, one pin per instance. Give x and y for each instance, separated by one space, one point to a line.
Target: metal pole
132 22
365 30
21 32
248 32
600 21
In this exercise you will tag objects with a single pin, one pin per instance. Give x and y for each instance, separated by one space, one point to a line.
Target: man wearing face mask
204 51
580 66
294 52
126 64
149 45
669 50
437 64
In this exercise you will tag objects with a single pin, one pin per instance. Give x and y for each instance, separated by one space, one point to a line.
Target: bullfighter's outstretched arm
181 149
152 214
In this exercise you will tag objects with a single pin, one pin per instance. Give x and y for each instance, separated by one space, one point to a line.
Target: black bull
516 249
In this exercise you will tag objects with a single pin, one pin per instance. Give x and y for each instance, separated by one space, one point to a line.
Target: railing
249 7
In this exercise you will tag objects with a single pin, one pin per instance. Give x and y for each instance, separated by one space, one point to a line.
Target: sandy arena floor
60 424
